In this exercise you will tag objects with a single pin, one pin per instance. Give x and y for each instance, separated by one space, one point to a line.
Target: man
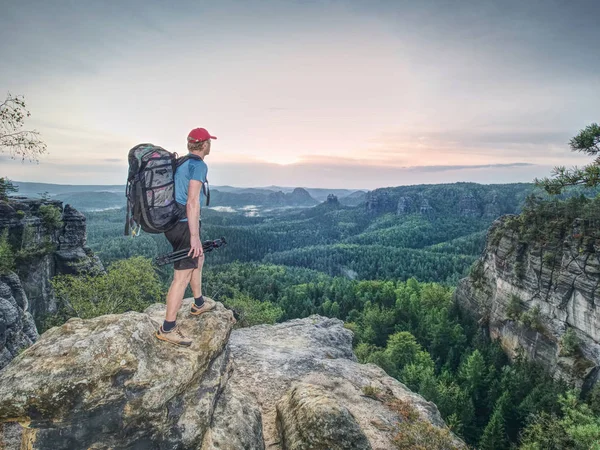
189 180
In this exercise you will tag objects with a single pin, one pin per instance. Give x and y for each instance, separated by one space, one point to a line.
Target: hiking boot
195 311
175 336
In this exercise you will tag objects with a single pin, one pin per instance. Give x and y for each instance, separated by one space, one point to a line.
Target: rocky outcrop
109 383
300 197
444 200
380 202
17 329
469 206
405 206
529 293
332 200
47 247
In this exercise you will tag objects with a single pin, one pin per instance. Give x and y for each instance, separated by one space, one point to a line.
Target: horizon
271 187
334 95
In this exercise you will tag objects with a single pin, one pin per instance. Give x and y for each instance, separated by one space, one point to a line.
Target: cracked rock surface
108 383
560 277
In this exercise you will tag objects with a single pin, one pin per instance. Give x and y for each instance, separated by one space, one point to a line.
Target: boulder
108 383
302 379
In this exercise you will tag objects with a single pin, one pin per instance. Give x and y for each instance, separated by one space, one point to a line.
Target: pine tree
494 435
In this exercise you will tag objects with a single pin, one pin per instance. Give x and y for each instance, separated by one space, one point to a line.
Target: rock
380 201
425 208
405 206
332 200
307 365
310 418
17 329
558 277
469 206
109 383
48 250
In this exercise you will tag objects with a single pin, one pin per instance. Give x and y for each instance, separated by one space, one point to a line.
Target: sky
332 94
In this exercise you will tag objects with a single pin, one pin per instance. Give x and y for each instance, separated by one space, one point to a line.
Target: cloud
466 167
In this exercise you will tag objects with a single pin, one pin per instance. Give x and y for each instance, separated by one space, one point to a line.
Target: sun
282 160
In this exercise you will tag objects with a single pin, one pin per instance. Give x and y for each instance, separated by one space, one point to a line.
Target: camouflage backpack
150 190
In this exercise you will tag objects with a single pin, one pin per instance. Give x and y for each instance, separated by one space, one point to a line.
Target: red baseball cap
199 134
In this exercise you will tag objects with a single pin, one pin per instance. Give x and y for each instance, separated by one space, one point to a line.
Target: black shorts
179 237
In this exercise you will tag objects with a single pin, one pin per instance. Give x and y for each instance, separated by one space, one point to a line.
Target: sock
199 301
168 326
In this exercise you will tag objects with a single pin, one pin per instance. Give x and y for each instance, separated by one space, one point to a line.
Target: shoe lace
178 332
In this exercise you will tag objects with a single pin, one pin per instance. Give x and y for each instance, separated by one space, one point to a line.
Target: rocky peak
109 383
300 197
332 200
529 294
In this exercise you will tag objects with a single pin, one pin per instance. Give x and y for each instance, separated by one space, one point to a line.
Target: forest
387 272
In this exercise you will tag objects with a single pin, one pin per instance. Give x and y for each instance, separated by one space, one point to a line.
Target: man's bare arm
193 215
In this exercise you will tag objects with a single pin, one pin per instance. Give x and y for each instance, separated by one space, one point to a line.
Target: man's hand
195 247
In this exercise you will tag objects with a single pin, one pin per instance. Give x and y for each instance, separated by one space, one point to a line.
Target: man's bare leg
196 283
196 280
181 279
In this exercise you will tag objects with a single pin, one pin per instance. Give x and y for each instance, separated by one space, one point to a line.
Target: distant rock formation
52 250
469 206
380 202
300 197
46 249
405 206
332 200
109 383
529 293
442 200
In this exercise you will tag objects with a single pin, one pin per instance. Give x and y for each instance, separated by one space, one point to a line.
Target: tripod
207 246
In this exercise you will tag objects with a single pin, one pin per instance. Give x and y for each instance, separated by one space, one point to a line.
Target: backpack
150 190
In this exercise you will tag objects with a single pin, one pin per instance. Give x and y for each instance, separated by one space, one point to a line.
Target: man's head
199 142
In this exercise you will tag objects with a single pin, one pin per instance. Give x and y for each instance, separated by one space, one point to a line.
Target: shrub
569 343
514 307
7 257
416 434
533 319
371 391
549 258
128 285
51 217
251 311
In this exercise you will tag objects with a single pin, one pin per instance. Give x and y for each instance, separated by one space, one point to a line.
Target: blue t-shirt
192 169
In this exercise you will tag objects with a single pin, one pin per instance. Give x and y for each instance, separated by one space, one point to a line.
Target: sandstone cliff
45 246
532 293
108 383
443 200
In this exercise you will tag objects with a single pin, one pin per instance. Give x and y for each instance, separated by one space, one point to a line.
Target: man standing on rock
190 178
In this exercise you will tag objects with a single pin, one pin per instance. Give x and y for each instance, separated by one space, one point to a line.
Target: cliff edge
109 383
541 293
